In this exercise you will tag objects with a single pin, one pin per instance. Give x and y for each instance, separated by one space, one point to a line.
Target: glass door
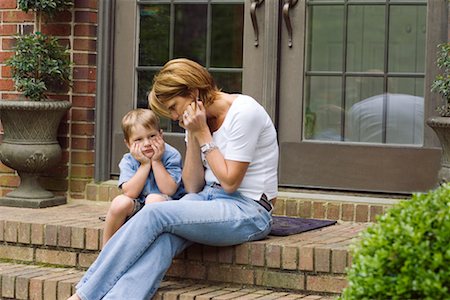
351 96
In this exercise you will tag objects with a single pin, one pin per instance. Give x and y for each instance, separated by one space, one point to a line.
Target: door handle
287 19
254 5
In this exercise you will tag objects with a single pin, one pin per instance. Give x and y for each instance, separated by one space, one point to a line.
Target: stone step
44 283
70 236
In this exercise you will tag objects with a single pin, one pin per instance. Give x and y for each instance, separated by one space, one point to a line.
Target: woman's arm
193 172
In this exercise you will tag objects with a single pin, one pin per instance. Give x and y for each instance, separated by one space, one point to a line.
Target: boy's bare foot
74 297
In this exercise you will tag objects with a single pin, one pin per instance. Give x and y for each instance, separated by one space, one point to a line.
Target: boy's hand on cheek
158 148
136 152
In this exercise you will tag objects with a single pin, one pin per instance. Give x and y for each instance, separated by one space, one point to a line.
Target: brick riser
337 207
44 283
313 261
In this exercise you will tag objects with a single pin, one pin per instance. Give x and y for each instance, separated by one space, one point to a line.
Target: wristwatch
208 147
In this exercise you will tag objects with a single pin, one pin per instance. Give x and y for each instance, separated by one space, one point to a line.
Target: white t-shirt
248 135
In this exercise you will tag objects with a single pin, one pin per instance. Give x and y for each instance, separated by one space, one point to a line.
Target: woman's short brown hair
181 77
139 116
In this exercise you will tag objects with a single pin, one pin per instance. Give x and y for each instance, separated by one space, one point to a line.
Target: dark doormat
283 226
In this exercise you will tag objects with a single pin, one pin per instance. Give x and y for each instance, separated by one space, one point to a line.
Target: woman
230 173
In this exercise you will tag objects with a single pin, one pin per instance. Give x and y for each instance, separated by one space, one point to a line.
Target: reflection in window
362 85
207 31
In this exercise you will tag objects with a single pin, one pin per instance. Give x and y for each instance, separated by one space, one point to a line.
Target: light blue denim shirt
172 162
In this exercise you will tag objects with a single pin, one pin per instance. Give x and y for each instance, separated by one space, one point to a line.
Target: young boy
150 172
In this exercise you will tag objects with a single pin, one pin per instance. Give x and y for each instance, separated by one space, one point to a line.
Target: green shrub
40 65
47 6
406 254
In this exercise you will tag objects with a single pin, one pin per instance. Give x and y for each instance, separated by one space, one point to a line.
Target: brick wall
77 29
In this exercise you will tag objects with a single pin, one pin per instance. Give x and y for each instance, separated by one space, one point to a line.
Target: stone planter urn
441 126
30 147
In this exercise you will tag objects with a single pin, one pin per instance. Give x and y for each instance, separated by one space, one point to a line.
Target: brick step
70 236
331 205
45 283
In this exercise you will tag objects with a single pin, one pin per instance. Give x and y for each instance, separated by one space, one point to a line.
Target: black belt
264 203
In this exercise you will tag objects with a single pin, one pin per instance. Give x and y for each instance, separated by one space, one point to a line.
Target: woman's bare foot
74 297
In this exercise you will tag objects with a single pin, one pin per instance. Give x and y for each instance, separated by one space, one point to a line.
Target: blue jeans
134 261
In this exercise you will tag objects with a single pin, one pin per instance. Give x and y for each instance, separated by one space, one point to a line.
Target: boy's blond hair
181 77
139 116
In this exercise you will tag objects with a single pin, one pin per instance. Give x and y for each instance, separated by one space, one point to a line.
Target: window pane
228 82
190 32
405 119
226 35
154 34
407 31
365 109
365 38
324 113
144 85
325 43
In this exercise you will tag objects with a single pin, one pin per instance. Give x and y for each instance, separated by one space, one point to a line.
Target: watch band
208 147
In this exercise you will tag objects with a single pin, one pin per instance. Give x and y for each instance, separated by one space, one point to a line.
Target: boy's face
144 138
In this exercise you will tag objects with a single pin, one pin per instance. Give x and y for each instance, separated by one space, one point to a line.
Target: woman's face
177 105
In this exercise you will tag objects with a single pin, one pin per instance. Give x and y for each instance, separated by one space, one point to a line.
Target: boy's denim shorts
139 204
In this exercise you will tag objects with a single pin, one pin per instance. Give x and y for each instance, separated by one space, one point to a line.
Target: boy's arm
166 184
133 187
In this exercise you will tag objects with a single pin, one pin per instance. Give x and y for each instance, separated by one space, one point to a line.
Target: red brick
78 185
194 252
83 144
9 180
15 16
56 257
85 45
64 237
2 230
92 239
322 258
225 254
242 254
8 43
362 213
83 129
375 210
280 280
348 212
82 59
24 233
88 87
305 209
23 282
85 17
37 234
86 4
60 17
85 73
338 260
306 256
16 253
333 212
209 253
291 207
83 101
51 235
56 29
325 284
6 72
6 84
290 258
11 230
77 237
85 260
319 209
82 171
37 284
8 4
85 31
8 29
273 256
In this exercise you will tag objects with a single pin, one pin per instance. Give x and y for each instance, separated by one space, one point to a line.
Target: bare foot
74 297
